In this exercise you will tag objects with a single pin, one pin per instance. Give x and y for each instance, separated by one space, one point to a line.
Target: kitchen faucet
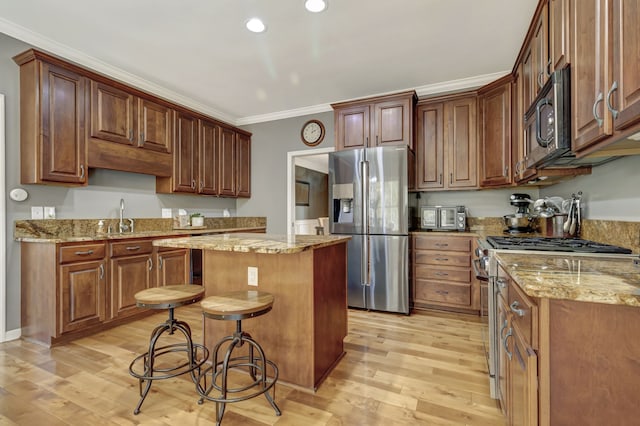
123 227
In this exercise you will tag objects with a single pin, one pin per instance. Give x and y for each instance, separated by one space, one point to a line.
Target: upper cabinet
52 120
605 75
72 119
446 143
495 133
379 121
559 46
119 116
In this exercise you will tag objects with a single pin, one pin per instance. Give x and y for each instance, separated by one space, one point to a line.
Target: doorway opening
317 162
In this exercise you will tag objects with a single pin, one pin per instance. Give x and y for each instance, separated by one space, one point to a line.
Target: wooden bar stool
237 306
144 366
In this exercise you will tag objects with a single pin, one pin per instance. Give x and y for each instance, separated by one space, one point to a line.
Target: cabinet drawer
128 248
525 315
443 258
439 274
443 293
81 252
443 243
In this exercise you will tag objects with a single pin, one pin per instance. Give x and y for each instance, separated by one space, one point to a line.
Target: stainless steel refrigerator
368 199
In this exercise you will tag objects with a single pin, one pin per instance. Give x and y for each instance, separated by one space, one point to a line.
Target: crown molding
459 85
42 42
281 115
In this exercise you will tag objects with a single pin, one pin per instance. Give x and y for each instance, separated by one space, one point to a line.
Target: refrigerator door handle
364 168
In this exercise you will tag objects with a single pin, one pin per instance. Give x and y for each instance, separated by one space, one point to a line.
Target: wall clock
312 132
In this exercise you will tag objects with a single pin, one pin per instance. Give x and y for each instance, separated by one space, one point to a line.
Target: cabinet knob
614 112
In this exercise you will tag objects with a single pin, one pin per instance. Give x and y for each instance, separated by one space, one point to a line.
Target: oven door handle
480 275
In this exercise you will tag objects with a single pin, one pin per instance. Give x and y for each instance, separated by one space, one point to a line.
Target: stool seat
237 305
171 296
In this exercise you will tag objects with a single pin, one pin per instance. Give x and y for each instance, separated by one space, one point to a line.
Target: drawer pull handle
442 245
443 292
442 274
505 344
150 264
442 259
132 248
504 326
515 309
84 253
101 271
502 283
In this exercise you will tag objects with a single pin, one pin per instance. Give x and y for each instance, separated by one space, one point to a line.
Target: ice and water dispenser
342 203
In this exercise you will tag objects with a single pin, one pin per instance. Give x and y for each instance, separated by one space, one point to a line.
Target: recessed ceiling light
255 25
315 5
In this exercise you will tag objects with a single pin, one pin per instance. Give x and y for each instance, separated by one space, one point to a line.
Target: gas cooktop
575 245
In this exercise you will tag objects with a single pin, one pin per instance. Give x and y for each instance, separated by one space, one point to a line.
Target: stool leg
148 364
263 379
220 406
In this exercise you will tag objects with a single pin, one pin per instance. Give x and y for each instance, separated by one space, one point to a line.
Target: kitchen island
307 275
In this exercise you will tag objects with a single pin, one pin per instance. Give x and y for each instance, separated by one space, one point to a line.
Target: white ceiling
198 52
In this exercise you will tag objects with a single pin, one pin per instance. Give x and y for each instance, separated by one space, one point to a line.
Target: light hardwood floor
424 369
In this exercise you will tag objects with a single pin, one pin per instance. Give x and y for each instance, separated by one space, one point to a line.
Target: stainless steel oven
487 268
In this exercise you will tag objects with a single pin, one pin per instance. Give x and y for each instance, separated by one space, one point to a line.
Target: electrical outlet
37 212
166 213
252 275
49 212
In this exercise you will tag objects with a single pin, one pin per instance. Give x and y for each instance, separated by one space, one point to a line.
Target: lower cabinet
131 271
442 272
73 289
82 286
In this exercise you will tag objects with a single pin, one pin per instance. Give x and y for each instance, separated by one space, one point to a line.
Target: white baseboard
12 335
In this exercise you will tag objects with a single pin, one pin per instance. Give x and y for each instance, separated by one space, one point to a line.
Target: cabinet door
82 287
243 165
173 266
352 127
113 116
626 66
209 158
62 151
128 275
184 158
495 136
540 50
559 34
461 143
156 126
430 146
523 380
589 73
518 146
504 355
393 123
227 162
528 79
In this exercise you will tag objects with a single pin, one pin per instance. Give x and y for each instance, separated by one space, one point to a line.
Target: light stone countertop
254 243
581 278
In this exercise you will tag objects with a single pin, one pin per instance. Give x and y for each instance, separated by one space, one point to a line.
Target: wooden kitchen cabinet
209 158
130 271
52 120
371 122
605 79
228 162
173 266
447 143
442 273
243 165
559 34
495 133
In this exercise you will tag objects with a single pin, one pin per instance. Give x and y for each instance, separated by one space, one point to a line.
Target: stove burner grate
576 245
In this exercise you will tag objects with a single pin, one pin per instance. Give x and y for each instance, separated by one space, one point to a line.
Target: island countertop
581 278
254 243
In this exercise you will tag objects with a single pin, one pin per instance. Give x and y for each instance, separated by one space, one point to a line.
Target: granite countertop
611 280
255 243
84 230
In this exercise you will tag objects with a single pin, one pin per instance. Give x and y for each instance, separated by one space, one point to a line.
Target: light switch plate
37 212
252 275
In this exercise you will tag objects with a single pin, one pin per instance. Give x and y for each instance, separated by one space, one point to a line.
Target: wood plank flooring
424 369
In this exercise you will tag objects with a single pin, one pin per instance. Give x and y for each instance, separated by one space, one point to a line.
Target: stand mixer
522 220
